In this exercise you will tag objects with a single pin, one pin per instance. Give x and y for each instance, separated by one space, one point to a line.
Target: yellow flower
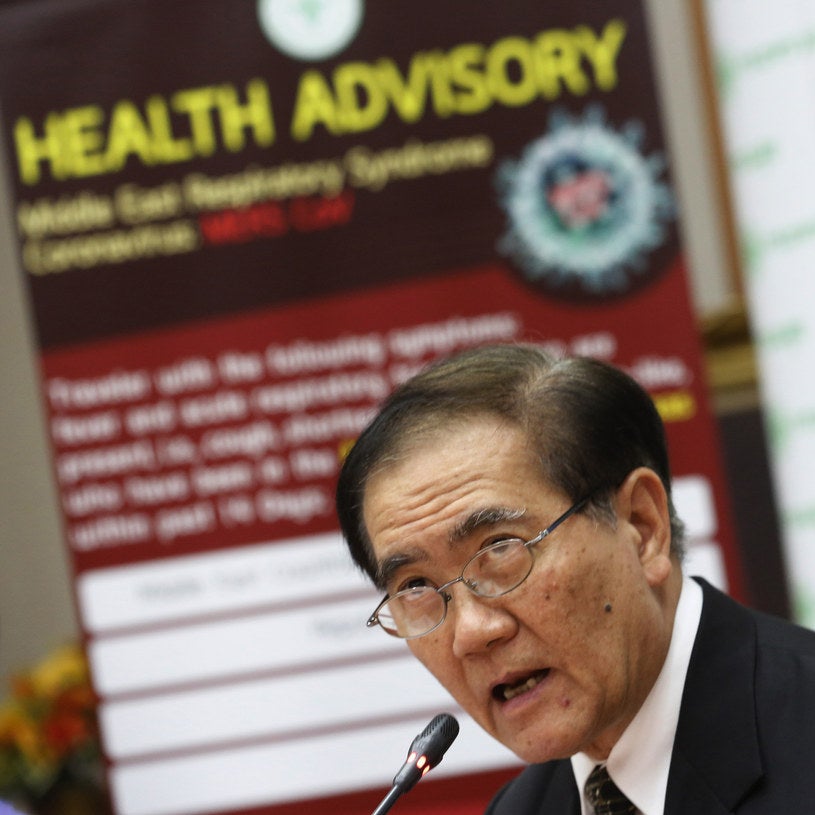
61 669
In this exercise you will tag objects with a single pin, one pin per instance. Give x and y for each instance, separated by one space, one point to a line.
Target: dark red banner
241 224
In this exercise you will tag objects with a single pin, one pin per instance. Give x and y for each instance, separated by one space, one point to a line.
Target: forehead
439 481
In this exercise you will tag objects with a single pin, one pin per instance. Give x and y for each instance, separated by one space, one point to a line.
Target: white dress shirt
640 761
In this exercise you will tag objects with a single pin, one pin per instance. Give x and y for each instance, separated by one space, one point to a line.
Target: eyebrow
391 564
478 519
486 516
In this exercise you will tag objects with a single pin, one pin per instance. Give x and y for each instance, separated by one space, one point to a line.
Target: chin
543 747
536 756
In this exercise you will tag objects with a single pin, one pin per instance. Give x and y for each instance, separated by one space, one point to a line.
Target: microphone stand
388 801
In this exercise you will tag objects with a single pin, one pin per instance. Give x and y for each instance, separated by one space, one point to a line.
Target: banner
241 224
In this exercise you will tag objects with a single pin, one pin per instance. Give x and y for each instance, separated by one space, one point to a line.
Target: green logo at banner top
310 29
585 207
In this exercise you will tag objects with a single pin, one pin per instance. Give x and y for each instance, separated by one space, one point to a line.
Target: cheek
438 659
435 654
551 592
568 605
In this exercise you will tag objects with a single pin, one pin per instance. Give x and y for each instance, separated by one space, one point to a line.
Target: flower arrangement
49 735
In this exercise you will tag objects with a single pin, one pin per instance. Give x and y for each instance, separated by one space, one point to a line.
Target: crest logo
585 207
310 29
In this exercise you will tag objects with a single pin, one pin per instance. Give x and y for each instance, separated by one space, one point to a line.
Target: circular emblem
310 29
585 207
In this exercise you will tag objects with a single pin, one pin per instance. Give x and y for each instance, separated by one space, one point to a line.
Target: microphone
426 751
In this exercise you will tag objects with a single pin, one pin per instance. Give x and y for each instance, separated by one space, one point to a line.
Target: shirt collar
640 760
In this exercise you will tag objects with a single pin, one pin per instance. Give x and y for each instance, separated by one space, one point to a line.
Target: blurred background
734 83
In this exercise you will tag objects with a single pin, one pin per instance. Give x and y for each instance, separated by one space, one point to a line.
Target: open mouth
507 691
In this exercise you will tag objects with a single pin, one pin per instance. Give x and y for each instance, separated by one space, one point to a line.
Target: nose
478 622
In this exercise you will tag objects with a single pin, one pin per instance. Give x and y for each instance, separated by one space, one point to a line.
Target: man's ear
642 503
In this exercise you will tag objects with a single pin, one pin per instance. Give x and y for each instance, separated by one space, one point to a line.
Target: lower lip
521 700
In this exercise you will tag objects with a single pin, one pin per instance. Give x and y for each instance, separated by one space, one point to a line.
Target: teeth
511 691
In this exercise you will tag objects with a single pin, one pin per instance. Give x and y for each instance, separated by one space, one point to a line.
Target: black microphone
425 752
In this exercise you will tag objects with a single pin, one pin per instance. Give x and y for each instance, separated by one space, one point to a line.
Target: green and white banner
765 56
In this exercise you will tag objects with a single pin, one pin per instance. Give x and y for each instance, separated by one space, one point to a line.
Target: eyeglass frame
447 597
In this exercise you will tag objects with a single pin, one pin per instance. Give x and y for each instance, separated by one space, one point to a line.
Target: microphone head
427 750
436 738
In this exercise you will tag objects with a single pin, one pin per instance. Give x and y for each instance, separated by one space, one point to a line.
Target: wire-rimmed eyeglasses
493 571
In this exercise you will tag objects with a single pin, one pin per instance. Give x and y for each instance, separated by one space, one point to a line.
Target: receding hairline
427 427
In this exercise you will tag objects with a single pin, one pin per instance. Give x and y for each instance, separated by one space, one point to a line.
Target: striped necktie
603 794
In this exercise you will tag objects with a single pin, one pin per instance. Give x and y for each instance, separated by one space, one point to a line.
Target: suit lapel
562 797
541 789
561 792
716 757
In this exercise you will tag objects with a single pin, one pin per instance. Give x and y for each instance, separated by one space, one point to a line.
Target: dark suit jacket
745 740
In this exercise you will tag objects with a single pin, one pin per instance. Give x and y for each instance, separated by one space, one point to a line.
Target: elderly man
516 509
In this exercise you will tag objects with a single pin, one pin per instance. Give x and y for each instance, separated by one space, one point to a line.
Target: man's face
562 663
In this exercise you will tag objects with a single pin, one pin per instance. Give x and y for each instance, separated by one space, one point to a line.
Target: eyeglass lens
491 572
